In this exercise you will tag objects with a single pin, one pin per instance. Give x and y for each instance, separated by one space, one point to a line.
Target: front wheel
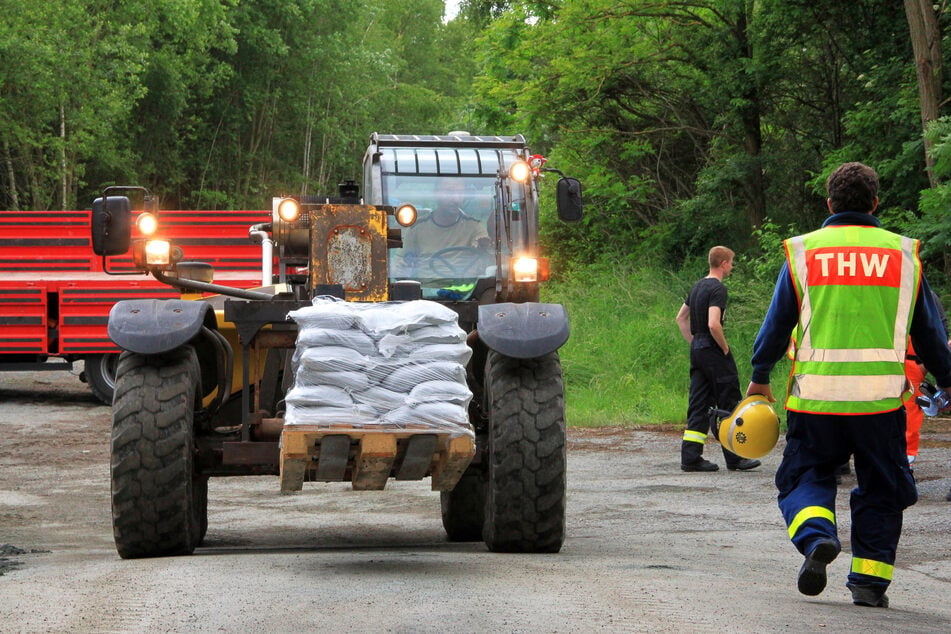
527 460
154 511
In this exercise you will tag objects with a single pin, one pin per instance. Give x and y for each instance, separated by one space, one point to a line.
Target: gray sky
452 7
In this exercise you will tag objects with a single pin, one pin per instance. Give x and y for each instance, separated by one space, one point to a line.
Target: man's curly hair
852 187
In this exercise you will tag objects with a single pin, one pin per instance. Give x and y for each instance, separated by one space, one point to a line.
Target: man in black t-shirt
714 381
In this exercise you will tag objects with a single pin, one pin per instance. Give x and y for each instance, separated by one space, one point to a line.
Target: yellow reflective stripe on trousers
694 436
809 513
872 568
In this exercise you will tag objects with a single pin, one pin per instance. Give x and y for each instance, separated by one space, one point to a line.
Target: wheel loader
230 382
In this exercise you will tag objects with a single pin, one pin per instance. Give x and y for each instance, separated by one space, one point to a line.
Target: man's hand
761 388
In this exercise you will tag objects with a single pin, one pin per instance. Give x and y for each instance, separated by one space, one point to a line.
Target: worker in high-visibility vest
856 292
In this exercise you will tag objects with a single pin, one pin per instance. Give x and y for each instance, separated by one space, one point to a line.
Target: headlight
288 209
520 172
158 252
151 253
406 215
525 269
147 223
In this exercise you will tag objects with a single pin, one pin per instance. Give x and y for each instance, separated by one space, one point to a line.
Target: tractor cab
476 236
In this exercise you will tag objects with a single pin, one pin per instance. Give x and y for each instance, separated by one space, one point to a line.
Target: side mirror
569 199
111 225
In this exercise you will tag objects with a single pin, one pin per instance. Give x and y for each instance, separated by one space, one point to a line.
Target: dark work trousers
714 382
816 444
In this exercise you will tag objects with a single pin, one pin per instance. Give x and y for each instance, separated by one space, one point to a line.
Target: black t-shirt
706 293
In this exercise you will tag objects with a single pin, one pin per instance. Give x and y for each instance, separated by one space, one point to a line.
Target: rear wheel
99 372
154 511
463 509
200 502
527 461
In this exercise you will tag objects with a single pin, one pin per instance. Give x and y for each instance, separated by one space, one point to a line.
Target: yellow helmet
752 429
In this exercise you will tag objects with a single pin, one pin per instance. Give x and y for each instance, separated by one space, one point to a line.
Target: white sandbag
439 392
325 313
403 343
317 415
350 381
455 352
352 338
436 415
402 317
405 378
380 398
319 395
331 359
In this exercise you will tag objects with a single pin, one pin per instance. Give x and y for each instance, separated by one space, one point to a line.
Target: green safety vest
856 287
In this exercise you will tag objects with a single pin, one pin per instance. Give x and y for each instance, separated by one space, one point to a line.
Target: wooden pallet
369 455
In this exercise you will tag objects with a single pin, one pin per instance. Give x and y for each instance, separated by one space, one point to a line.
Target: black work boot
867 596
700 465
812 575
744 465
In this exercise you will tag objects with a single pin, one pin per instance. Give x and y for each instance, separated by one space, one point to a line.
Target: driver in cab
447 232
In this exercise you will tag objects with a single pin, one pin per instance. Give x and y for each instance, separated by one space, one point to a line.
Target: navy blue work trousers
816 445
714 382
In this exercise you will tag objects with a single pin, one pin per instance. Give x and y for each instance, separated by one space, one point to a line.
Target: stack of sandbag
388 365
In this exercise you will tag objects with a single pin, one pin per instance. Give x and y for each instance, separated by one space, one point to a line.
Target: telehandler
203 383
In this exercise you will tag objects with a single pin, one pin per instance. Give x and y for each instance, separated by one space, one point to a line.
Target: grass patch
625 362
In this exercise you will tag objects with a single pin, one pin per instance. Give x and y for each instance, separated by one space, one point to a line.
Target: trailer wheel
463 509
153 480
527 461
99 372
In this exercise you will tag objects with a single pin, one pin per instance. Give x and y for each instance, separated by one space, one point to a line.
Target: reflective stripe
738 416
810 513
872 568
907 290
694 436
833 355
846 388
805 308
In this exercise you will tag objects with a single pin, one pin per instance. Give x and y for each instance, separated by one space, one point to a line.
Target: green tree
68 83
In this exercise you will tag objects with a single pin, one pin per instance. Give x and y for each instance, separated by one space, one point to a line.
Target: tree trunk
308 137
750 115
11 177
64 185
926 44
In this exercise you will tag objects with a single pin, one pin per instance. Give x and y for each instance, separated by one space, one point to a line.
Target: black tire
99 372
527 460
200 502
463 509
153 509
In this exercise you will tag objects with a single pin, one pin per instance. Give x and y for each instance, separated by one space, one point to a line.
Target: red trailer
55 298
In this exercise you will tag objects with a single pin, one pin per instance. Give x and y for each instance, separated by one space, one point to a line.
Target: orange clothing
916 373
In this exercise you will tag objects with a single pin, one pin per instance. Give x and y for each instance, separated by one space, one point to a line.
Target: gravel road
649 548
